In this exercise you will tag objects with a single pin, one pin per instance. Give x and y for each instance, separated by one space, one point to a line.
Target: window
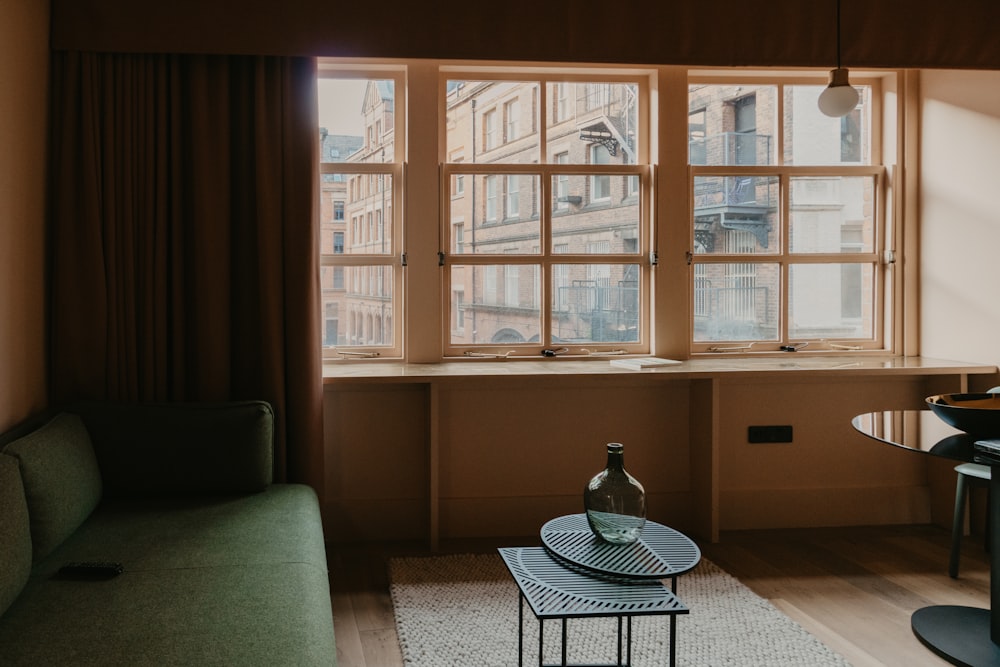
512 114
513 207
551 274
359 165
491 198
560 101
530 219
562 183
786 244
490 140
600 184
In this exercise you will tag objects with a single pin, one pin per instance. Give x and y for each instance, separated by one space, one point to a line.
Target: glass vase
615 501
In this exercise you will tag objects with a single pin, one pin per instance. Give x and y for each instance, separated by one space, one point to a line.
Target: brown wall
24 62
887 33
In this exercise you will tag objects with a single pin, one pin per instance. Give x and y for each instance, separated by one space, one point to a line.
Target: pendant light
840 97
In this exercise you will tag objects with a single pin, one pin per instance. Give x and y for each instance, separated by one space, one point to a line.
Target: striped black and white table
577 575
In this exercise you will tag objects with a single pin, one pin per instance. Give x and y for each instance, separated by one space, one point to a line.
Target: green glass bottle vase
615 501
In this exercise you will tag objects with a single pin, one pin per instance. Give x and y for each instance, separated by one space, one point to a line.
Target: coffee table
577 575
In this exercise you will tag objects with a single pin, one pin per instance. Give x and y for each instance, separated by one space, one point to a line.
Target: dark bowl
976 414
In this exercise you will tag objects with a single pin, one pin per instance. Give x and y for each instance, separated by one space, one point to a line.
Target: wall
960 215
24 62
512 452
889 33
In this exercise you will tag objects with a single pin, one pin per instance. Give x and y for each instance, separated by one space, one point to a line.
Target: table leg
520 629
619 618
968 635
564 662
673 639
541 641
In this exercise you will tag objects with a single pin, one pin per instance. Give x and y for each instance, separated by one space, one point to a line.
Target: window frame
361 177
546 168
883 228
665 179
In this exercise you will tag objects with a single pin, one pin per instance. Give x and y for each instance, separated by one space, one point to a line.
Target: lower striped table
557 589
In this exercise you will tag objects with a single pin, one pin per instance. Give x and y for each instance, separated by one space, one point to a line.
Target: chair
973 474
968 473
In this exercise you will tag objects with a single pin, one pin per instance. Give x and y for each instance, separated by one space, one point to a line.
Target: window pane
736 301
357 120
832 214
595 303
365 206
732 125
493 121
357 304
812 138
583 114
503 209
495 304
736 214
831 301
611 228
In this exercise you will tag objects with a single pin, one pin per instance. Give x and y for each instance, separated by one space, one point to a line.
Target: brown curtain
184 237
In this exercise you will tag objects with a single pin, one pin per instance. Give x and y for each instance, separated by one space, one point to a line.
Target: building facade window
600 184
513 205
512 119
490 134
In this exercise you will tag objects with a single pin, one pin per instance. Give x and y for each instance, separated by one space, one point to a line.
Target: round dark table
960 635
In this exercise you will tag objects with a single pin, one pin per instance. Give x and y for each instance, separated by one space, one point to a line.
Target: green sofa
221 566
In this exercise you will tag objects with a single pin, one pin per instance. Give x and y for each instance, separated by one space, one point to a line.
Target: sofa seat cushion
62 482
247 615
279 525
211 581
15 533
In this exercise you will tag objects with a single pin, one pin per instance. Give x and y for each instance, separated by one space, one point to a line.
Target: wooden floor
854 588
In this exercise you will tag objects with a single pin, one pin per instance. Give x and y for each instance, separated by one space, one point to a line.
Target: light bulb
839 98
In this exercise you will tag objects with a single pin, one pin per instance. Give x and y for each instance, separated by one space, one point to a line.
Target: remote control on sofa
91 570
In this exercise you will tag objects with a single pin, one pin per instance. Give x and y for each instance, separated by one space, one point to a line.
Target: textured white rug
461 611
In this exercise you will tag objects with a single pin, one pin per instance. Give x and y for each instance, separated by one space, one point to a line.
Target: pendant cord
838 34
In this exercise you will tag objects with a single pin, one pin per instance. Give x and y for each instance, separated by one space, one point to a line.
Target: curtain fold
183 240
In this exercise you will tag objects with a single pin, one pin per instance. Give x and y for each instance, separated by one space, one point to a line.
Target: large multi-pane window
536 224
360 230
568 270
787 217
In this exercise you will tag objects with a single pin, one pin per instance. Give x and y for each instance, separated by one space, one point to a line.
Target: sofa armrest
155 449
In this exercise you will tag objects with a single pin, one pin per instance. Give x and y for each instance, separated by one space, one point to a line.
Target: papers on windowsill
637 363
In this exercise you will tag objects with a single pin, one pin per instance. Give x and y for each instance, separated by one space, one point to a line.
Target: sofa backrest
15 533
156 449
61 481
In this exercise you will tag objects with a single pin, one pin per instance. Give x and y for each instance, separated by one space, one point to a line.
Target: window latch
402 259
689 257
549 352
440 259
654 258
